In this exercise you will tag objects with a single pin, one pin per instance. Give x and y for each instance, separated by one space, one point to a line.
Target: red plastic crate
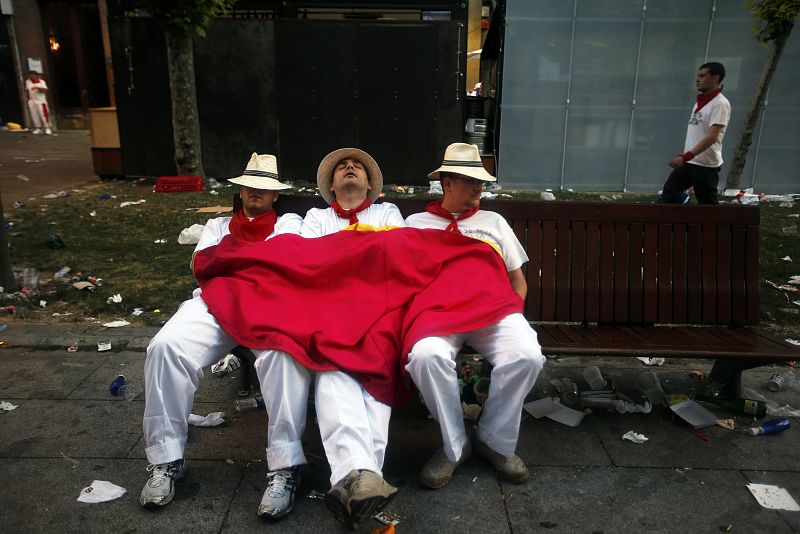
173 184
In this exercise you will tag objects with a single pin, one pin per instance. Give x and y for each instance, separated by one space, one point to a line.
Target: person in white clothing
699 164
353 425
510 345
36 95
193 339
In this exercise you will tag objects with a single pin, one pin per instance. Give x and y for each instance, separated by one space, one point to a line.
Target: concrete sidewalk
68 431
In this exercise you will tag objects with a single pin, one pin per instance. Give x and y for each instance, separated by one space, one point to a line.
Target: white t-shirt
323 221
36 96
216 229
484 225
716 112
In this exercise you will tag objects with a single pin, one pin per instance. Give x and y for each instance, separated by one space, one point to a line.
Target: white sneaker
278 499
226 365
36 131
160 487
48 131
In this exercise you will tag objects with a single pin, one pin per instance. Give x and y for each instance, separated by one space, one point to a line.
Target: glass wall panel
778 155
532 155
597 143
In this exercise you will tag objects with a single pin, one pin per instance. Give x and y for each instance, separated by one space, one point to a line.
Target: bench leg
728 374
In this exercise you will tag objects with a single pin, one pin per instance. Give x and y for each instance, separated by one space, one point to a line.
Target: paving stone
44 374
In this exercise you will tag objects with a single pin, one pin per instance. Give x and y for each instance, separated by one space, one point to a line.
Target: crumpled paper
101 491
651 361
630 435
116 324
212 419
7 407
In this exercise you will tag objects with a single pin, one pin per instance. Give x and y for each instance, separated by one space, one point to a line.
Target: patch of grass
118 245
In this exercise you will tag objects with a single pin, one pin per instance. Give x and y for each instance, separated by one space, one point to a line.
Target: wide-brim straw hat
261 173
464 160
329 162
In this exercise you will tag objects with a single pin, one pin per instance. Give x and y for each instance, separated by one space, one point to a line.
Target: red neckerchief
705 98
436 208
351 213
258 229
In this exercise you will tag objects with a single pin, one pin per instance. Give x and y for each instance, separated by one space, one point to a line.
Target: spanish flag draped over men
355 301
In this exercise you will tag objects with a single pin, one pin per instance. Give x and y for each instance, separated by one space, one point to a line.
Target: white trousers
353 425
512 347
40 114
191 340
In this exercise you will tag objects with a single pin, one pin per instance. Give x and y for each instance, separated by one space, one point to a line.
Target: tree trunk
734 179
6 274
185 120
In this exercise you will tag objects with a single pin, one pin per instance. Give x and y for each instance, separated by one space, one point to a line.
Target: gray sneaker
278 499
511 468
160 487
438 470
369 494
337 500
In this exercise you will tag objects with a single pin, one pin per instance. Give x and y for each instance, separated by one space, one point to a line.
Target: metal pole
710 27
633 103
758 140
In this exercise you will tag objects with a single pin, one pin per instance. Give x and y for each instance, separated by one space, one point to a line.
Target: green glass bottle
735 404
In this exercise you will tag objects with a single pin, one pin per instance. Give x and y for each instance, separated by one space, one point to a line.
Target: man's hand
677 162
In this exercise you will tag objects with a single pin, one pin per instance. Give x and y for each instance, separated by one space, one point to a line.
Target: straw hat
329 162
464 160
261 173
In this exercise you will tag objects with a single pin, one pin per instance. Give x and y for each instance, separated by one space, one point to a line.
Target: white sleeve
311 224
291 223
721 114
514 254
392 216
212 234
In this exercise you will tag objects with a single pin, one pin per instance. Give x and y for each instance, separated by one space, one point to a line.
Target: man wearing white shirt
353 425
193 339
36 91
699 164
510 345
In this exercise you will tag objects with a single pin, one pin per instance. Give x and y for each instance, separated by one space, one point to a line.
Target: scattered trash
117 298
774 426
242 405
651 361
435 188
7 407
23 178
73 347
547 195
116 384
92 213
26 277
116 324
17 204
694 414
214 192
789 230
129 391
775 382
103 346
107 196
62 273
61 314
159 241
547 407
387 518
42 303
772 407
315 495
489 195
784 287
773 497
730 424
594 378
129 203
101 491
54 242
190 235
136 311
632 436
226 365
213 209
609 400
229 461
75 463
700 375
84 285
471 411
567 390
786 259
212 419
650 386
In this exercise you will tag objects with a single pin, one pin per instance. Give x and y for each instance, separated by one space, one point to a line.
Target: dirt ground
34 165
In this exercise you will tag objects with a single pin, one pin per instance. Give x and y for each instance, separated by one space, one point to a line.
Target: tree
773 21
6 273
181 21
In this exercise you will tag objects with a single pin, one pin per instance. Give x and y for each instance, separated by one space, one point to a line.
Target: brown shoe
438 470
369 494
511 468
337 500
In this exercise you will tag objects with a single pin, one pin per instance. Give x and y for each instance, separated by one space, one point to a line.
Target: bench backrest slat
627 263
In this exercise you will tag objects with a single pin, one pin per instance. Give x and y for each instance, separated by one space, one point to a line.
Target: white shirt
484 225
216 229
36 96
716 113
319 222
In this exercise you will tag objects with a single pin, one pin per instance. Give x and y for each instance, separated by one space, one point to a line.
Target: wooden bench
610 279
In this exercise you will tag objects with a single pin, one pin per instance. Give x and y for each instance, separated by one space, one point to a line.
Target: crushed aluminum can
775 382
387 518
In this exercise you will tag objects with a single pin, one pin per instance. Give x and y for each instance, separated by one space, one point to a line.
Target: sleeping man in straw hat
510 345
193 339
353 425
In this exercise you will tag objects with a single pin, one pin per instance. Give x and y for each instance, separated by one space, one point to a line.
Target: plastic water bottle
250 403
774 426
791 380
594 378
